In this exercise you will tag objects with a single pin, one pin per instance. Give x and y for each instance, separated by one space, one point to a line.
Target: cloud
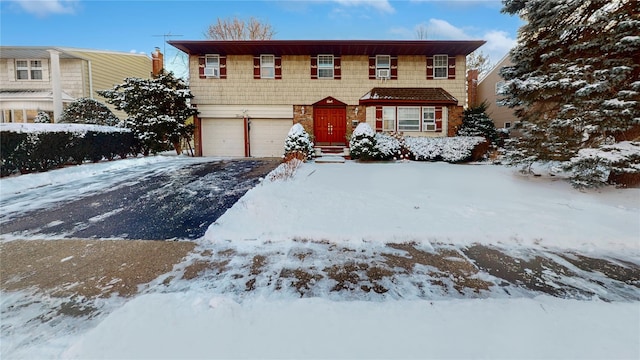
42 8
443 30
380 5
498 42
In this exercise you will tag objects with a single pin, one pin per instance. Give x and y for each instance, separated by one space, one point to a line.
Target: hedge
26 148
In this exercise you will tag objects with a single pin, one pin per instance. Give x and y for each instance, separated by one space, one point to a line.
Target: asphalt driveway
159 204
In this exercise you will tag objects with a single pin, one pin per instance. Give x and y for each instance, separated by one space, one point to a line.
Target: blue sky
135 26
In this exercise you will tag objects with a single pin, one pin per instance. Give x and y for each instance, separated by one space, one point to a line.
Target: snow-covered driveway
154 198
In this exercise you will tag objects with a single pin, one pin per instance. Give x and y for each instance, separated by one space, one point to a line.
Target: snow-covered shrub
298 143
88 111
449 149
39 147
286 170
391 146
362 144
595 167
42 118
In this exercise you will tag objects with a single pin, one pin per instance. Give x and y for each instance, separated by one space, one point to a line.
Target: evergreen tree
575 79
157 110
42 118
476 122
88 111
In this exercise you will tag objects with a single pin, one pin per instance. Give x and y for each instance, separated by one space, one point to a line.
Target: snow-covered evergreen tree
476 122
298 143
157 110
575 82
42 118
362 144
88 111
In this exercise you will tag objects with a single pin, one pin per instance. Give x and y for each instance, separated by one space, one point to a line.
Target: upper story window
440 66
383 67
267 66
212 66
325 66
28 69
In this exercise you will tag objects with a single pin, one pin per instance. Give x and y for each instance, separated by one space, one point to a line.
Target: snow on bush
298 143
389 146
88 111
593 166
449 149
42 118
362 144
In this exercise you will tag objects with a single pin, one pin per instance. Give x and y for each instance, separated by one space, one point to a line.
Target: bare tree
240 29
421 32
480 61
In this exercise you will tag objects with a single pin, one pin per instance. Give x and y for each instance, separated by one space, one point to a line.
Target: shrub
34 147
88 111
42 118
362 144
476 122
449 149
298 143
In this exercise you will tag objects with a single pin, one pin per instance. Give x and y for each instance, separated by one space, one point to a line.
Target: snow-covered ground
368 205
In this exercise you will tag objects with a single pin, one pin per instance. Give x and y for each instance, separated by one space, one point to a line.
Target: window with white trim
409 118
28 69
440 66
212 66
428 118
267 66
389 118
383 66
325 66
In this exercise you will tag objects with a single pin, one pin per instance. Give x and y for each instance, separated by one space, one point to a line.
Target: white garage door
267 136
223 137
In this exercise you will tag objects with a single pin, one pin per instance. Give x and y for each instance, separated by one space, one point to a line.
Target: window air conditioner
430 127
211 72
383 73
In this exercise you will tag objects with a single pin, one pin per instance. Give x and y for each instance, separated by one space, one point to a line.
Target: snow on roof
409 94
32 95
32 128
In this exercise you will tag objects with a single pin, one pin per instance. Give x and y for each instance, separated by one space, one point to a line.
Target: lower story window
409 118
389 118
428 118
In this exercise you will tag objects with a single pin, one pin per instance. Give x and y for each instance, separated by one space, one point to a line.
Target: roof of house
380 95
335 47
42 52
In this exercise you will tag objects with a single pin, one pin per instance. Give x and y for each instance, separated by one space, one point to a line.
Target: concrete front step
327 159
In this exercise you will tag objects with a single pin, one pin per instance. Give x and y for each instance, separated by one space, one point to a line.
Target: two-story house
36 78
249 93
488 90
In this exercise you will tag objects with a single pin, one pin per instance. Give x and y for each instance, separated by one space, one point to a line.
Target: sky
141 25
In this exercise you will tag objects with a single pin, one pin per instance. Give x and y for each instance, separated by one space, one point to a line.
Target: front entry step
330 159
331 154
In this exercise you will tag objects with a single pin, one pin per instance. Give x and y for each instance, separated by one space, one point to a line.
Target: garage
223 137
267 136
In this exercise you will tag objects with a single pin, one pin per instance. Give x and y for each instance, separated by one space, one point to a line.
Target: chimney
158 62
472 87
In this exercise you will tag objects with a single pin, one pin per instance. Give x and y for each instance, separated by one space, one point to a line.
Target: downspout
247 136
90 79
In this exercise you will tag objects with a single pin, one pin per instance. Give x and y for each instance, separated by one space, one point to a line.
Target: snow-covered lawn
365 205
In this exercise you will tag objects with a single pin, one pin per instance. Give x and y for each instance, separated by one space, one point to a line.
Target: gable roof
384 95
41 52
335 47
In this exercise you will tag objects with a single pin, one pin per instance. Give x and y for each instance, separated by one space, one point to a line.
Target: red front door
330 125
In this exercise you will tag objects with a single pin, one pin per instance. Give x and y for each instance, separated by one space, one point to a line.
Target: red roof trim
335 47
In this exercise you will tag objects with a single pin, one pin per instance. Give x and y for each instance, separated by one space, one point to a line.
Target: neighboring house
37 78
488 90
249 93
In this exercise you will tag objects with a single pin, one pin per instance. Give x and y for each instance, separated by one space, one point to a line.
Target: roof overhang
335 47
407 96
32 100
